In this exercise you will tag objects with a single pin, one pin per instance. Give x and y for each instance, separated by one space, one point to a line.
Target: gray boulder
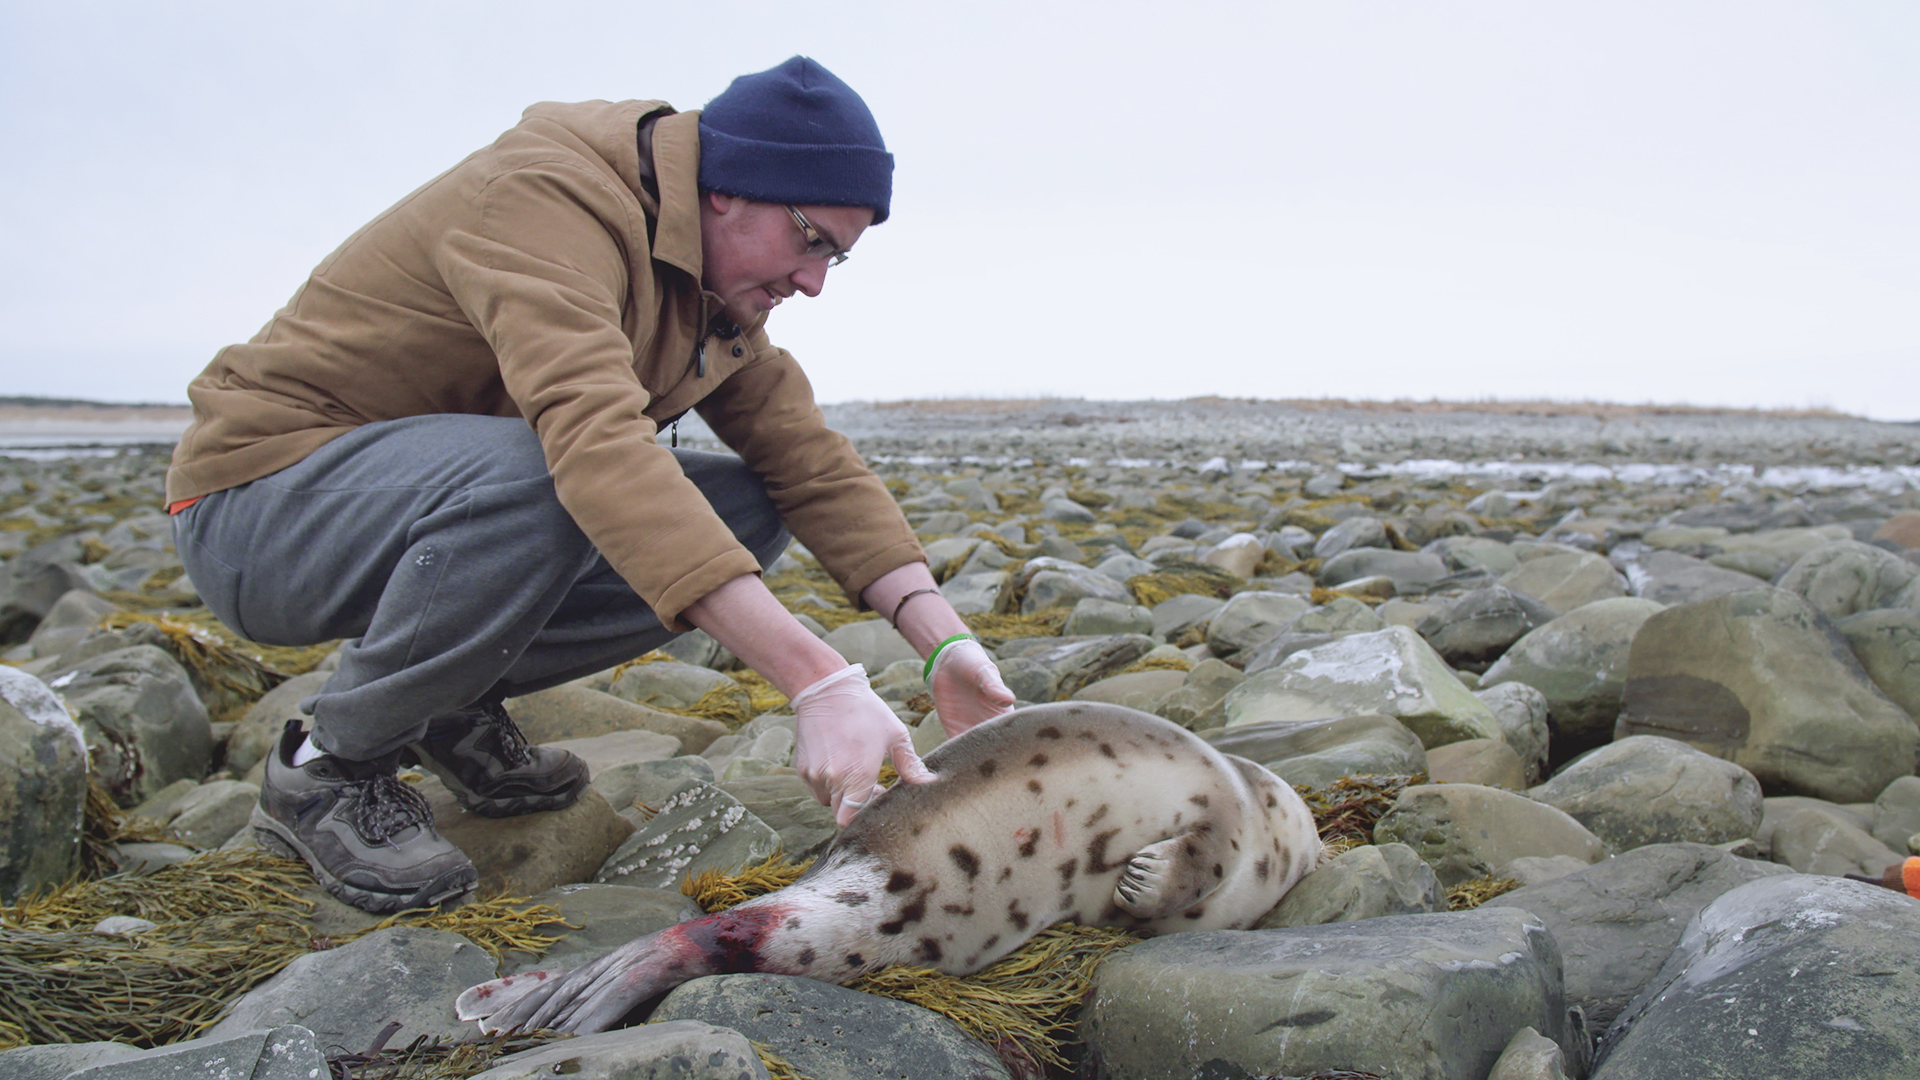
1318 625
872 642
144 725
1143 690
1065 510
70 618
699 827
1617 920
697 647
1248 619
1122 566
979 593
43 787
346 995
1437 995
1389 672
1668 577
1887 644
1465 831
1896 814
529 853
765 743
1579 662
1522 713
1360 531
946 556
1815 837
1473 553
671 1050
286 1052
57 1061
829 1032
1176 614
649 783
1047 583
210 814
1767 554
1846 577
1318 752
620 764
973 494
1057 672
1769 982
1532 1056
1202 689
787 806
941 522
1095 616
579 710
985 558
1566 581
1648 790
34 581
1759 678
1239 555
1410 571
1365 883
1480 625
1488 762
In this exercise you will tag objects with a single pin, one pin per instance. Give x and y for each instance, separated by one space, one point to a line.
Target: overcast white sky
1674 201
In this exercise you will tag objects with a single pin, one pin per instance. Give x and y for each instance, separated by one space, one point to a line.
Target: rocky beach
1604 711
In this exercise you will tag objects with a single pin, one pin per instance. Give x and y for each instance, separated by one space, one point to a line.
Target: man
443 450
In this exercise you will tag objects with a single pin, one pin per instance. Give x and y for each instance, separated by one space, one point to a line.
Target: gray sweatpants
436 546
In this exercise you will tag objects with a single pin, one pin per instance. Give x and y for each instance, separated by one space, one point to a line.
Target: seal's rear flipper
491 999
1167 878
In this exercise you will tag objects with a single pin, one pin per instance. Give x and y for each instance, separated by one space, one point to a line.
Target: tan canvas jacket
544 278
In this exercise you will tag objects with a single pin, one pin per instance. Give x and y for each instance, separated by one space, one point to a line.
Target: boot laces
509 739
388 805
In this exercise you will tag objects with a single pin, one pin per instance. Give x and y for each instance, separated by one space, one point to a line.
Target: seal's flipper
491 999
1167 878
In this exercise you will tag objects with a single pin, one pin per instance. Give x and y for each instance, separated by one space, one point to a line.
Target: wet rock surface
1470 598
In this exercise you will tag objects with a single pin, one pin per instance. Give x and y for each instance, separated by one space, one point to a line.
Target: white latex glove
967 688
843 734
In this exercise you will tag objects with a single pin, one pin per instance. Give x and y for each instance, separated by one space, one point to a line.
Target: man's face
754 254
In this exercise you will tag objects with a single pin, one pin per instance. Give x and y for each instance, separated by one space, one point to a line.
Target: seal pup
1077 812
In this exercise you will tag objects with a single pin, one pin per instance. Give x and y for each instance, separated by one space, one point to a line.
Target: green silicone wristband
927 672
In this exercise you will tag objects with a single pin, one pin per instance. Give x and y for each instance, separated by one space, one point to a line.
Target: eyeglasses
818 246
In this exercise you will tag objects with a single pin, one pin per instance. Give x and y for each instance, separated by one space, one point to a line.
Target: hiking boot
368 836
482 757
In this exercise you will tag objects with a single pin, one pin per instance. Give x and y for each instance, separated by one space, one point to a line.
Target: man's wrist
926 673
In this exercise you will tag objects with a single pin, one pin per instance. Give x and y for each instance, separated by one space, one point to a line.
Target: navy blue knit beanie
795 134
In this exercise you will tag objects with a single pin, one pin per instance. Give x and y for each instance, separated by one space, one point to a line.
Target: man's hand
842 730
967 688
843 734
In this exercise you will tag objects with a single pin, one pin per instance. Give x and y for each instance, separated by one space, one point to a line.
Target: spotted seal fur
1078 812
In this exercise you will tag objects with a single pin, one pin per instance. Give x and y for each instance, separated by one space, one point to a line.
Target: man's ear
720 202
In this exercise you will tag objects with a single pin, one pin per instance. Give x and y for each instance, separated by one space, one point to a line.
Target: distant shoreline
49 408
1194 430
55 410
